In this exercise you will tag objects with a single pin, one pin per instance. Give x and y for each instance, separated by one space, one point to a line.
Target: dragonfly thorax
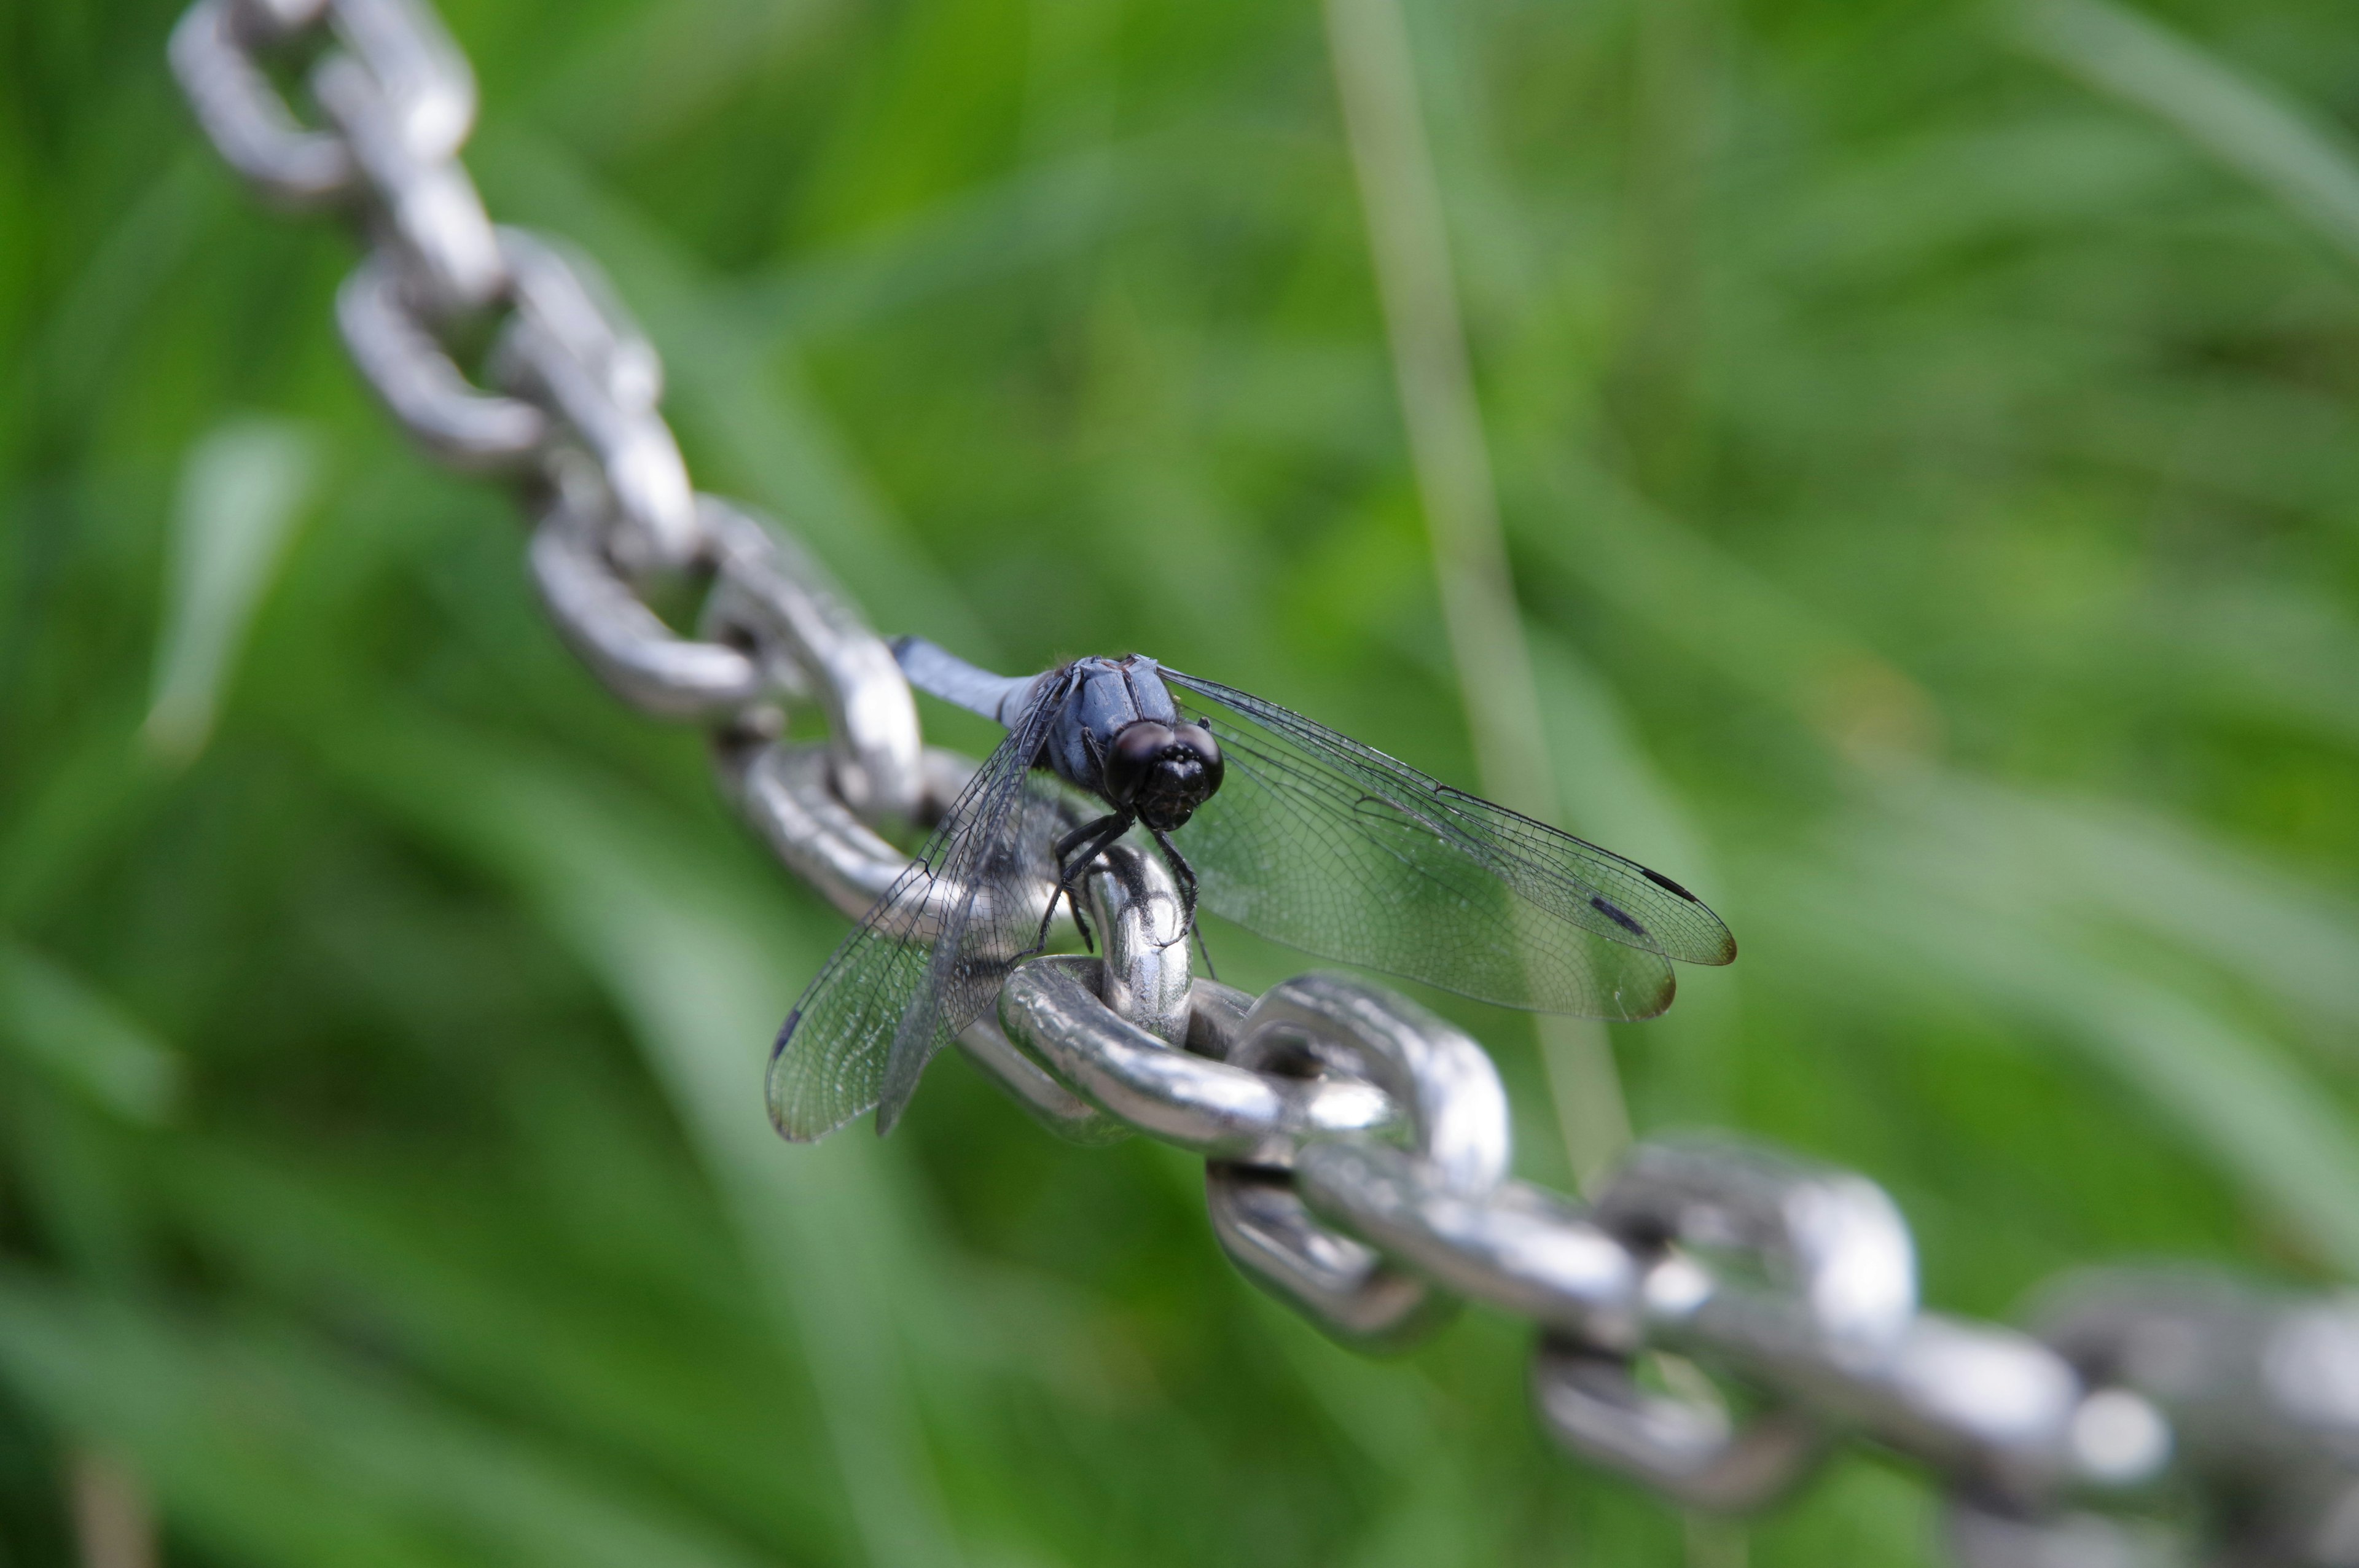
1117 734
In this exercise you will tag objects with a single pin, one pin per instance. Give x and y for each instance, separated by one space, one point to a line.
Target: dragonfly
1266 819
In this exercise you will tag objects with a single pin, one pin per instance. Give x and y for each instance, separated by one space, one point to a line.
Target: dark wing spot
1606 907
1661 880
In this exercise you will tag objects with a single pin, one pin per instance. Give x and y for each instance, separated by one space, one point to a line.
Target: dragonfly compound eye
1132 758
1198 743
1180 776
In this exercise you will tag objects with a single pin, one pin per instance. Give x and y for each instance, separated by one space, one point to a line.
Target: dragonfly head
1163 772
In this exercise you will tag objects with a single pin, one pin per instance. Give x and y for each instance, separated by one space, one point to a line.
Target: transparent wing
1319 842
930 959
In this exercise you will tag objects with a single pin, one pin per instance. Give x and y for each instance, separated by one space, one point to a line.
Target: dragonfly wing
829 1063
930 959
1323 843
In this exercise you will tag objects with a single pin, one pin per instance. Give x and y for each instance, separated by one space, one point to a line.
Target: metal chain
1713 1325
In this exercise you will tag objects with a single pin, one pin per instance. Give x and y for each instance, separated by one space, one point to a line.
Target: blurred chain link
1711 1325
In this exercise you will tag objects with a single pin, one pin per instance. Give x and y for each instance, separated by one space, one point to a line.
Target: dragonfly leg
1204 950
1076 852
1187 875
1083 833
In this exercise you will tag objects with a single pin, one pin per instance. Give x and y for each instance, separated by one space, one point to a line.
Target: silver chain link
1713 1325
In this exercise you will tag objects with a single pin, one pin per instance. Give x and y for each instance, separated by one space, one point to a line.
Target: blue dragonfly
1266 819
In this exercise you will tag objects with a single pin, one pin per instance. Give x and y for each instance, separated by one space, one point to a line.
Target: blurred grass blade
702 968
617 81
1408 249
2278 651
1613 794
2246 124
80 1042
1031 219
80 347
243 488
1723 612
1408 246
1426 1514
2098 859
275 1451
503 1291
100 784
2263 1120
114 1523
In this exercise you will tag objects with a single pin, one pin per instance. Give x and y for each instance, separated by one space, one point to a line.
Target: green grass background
1925 438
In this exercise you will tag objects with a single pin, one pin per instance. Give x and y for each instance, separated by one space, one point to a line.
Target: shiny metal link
771 629
1682 1445
1842 1288
400 101
426 202
1831 1244
1454 1119
2257 1379
770 596
566 295
1517 1247
276 19
783 791
1837 1334
2259 1391
424 84
1053 1011
242 115
1050 1102
1990 1405
1795 1283
572 347
1349 1290
423 387
626 644
1142 927
1135 907
420 93
1980 1535
1718 1320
